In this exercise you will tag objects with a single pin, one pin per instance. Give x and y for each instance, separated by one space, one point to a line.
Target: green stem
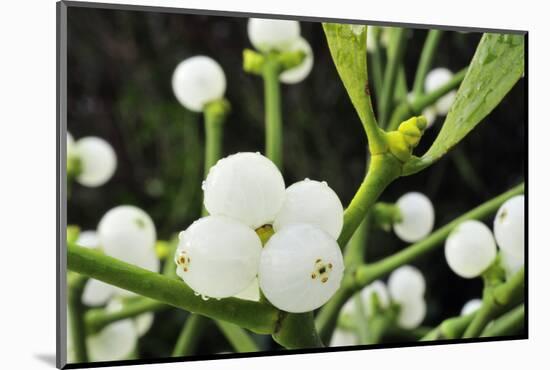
296 331
237 337
508 324
76 311
421 102
401 89
355 250
257 317
273 115
426 59
368 273
383 169
187 340
98 318
396 51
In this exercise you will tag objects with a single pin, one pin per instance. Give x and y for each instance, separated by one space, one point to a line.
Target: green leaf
495 68
348 47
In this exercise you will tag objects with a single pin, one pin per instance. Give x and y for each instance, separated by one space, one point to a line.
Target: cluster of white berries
268 35
129 234
471 248
221 255
406 287
96 159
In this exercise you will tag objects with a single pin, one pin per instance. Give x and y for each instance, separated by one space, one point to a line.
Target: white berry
509 228
471 306
198 81
272 34
381 291
143 323
412 313
430 113
245 186
406 283
470 249
97 160
435 79
417 217
301 267
300 72
311 202
129 234
218 256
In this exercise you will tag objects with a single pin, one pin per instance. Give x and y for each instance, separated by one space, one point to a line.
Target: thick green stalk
187 340
421 102
396 51
383 169
273 115
98 318
76 312
426 59
372 271
237 337
255 316
508 324
297 330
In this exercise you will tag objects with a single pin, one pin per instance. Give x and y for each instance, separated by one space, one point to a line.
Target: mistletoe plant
289 261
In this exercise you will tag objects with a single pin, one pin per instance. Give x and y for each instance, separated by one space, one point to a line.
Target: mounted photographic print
236 184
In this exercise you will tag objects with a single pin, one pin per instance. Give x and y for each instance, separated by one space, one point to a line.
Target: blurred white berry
97 160
470 249
272 34
143 323
218 256
511 263
97 293
411 313
417 217
129 234
431 115
251 293
342 337
301 267
88 239
311 202
509 228
300 72
406 283
198 81
114 342
381 291
435 79
471 306
245 186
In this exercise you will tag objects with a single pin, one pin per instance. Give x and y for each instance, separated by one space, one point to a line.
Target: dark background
120 65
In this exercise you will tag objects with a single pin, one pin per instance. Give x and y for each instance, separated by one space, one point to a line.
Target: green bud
253 62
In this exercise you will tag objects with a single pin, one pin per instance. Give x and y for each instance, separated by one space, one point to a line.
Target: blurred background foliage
120 65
